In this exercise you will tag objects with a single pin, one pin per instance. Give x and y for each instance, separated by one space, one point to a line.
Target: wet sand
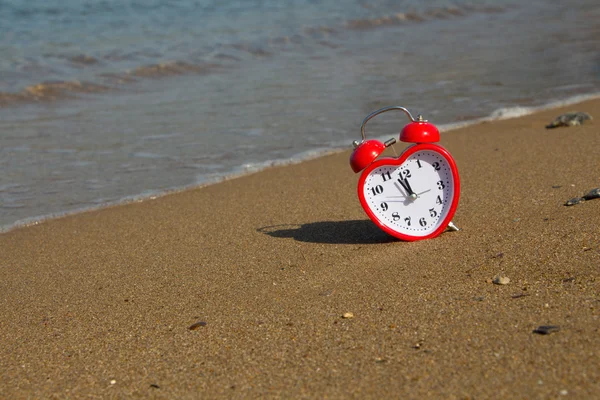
263 267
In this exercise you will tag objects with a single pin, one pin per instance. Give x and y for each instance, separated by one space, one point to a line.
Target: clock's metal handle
382 110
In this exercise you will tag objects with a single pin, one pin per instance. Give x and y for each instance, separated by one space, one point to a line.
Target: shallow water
106 100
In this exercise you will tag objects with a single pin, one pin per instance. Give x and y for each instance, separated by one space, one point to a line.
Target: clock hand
398 187
406 186
403 197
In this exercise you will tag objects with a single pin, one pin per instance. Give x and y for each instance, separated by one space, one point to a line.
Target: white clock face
413 198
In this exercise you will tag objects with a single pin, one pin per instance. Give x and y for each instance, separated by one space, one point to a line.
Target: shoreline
243 288
247 169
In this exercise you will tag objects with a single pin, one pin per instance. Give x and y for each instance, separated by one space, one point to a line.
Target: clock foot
453 227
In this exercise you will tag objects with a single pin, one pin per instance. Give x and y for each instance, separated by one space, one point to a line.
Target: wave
233 53
174 68
370 23
251 168
50 91
520 111
83 60
436 13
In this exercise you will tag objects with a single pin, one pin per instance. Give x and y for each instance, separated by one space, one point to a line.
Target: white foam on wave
251 168
520 111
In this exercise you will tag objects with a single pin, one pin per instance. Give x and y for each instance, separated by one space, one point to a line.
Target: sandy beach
238 289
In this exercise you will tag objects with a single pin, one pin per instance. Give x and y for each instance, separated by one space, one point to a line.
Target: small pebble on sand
348 315
501 280
546 329
197 325
569 119
592 194
573 201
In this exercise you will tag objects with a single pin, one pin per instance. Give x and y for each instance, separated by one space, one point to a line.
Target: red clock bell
414 196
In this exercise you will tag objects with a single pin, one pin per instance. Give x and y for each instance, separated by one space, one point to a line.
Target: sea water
105 101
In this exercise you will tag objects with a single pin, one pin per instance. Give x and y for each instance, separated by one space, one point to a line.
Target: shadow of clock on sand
331 232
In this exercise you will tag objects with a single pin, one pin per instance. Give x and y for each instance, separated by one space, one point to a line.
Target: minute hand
406 186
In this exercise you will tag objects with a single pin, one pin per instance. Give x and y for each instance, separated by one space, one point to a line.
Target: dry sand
100 304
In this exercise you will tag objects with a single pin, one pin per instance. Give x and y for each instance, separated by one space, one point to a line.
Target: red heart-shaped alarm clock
414 196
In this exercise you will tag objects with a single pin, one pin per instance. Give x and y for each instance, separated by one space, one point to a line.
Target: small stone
113 382
419 344
154 386
348 315
569 119
574 200
546 329
501 280
197 325
592 194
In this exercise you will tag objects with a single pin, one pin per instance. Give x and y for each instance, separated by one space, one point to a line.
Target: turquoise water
102 101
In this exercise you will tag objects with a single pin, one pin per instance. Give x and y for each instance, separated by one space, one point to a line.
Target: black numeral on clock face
395 216
384 206
436 166
422 222
438 200
441 185
377 190
386 176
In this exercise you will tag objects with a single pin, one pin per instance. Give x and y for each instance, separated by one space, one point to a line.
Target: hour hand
406 186
400 190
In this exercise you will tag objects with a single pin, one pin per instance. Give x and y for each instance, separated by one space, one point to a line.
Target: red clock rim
398 161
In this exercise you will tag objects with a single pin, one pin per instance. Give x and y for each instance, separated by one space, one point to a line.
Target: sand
100 304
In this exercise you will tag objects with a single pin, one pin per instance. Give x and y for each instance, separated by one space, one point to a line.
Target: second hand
404 197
